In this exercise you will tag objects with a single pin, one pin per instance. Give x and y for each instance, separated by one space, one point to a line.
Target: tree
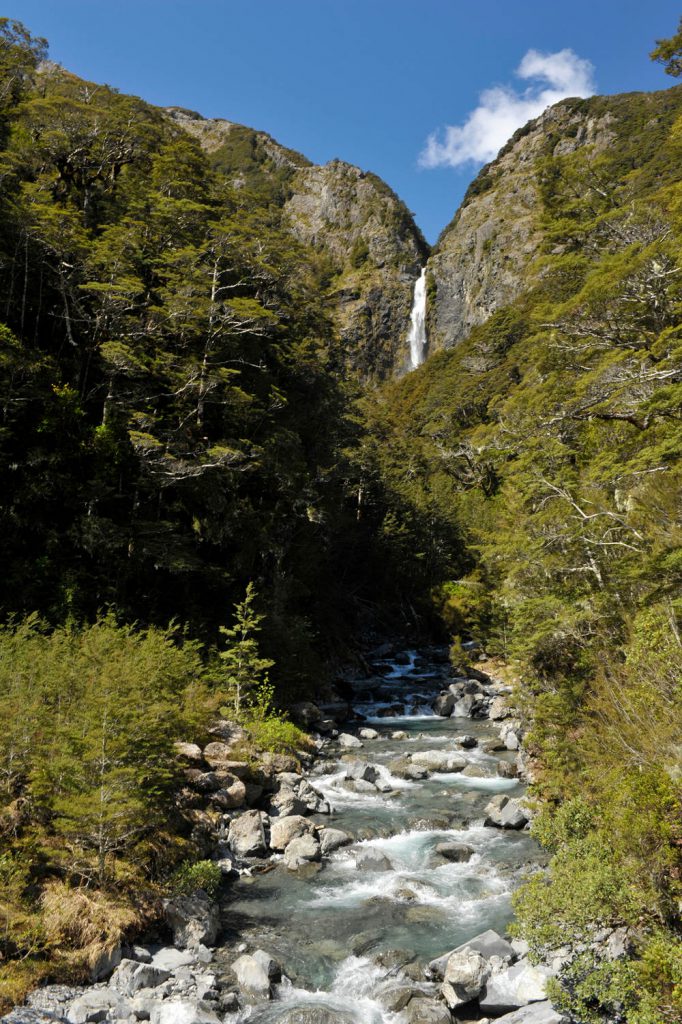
245 670
669 53
20 54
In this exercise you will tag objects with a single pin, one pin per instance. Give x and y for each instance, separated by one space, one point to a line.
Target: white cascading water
417 335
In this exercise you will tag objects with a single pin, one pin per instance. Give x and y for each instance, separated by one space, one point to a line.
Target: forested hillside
205 501
548 441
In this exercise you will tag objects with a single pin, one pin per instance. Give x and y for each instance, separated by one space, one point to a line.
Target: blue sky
364 80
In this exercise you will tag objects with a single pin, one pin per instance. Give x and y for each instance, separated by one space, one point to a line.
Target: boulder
286 803
427 1011
368 734
331 839
439 760
369 859
466 741
188 752
362 770
105 962
252 978
348 741
97 1004
216 754
232 794
26 1015
182 1011
506 770
246 836
505 812
444 703
171 959
394 997
399 735
193 919
360 786
458 852
314 1013
536 1013
488 944
499 709
284 829
130 976
518 986
314 801
301 851
471 705
271 967
465 974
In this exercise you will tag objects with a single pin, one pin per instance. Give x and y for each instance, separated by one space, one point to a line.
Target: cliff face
361 235
484 258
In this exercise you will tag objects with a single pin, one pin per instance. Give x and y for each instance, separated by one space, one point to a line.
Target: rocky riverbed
374 888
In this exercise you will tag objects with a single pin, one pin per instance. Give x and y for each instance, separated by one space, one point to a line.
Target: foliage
192 875
669 52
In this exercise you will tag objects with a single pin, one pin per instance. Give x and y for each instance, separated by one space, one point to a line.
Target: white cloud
502 109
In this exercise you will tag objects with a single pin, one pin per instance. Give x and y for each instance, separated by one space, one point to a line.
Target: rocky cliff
368 249
488 253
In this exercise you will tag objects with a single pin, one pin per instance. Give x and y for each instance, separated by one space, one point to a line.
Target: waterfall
417 335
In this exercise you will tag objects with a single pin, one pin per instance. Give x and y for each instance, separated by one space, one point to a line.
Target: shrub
202 874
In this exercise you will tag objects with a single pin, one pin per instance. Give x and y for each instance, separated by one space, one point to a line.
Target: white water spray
417 335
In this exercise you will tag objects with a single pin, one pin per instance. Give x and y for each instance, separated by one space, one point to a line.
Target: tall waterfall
417 335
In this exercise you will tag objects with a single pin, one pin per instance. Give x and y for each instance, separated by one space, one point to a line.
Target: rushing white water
417 336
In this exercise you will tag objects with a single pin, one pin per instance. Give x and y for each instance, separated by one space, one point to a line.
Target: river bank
349 888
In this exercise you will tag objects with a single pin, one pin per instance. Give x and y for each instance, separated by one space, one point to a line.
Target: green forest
203 508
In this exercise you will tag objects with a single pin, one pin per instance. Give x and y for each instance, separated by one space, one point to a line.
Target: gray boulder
518 986
443 704
368 734
369 859
536 1013
362 770
97 1004
488 944
348 741
271 967
467 741
193 919
188 752
331 839
505 812
252 978
466 972
182 1011
284 829
439 760
246 835
53 999
458 852
301 851
427 1011
130 976
499 709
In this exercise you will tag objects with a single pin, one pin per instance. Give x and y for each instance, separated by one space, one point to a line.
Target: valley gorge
340 645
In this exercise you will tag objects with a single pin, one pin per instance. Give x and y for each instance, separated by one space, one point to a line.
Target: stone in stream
518 986
492 746
359 786
284 829
246 834
271 967
182 1011
369 859
475 771
488 944
506 770
331 839
314 1013
404 769
439 760
362 770
505 812
465 974
499 709
443 704
252 978
301 851
348 741
368 734
458 852
394 997
427 1011
467 741
399 735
